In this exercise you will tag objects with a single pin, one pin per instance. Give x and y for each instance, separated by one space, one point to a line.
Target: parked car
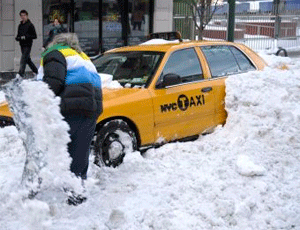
170 92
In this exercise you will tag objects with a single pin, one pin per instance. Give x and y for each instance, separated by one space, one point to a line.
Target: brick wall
222 34
288 29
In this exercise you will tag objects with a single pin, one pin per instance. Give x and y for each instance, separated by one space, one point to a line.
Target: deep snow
245 175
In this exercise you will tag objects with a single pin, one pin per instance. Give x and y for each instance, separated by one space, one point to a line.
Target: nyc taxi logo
183 103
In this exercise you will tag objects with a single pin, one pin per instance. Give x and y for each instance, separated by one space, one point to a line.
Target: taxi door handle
206 89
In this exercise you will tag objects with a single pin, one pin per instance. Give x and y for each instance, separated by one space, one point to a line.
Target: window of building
112 19
86 25
139 20
55 9
100 24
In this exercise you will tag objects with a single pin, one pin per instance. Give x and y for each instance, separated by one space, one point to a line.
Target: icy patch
116 219
246 167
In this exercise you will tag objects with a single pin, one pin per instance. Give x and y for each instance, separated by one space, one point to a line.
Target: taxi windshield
129 68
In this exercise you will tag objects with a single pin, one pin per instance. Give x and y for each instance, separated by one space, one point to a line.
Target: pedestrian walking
137 17
26 33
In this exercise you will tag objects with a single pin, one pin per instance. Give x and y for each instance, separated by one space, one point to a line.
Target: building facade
99 24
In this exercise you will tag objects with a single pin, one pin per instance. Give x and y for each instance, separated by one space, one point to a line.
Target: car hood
111 97
124 95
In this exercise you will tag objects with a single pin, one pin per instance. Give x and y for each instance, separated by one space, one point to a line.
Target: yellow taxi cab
169 92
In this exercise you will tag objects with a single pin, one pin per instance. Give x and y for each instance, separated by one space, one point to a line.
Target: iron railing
256 27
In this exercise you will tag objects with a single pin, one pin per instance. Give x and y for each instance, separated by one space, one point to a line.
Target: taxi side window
220 60
184 63
226 60
243 62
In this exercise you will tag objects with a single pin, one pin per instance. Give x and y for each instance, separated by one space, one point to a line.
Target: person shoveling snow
73 78
45 137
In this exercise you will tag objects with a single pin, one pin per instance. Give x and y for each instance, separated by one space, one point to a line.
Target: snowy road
245 175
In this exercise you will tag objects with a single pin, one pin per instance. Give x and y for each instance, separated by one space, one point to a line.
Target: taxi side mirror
169 80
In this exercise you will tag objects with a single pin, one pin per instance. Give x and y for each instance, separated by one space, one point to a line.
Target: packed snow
245 175
108 82
45 135
160 41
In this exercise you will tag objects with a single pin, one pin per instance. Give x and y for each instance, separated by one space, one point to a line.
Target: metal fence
256 27
183 20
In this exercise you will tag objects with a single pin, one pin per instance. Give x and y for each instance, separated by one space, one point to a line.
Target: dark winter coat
26 29
79 90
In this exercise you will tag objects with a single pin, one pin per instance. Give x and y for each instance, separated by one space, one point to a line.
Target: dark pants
25 59
81 132
139 24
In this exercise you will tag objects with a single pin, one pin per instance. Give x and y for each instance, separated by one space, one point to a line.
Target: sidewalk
294 54
7 76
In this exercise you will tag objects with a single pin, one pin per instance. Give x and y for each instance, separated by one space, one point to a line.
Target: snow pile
247 168
159 41
245 175
275 61
108 82
47 159
50 133
2 97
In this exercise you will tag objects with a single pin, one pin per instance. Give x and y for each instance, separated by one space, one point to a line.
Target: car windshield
129 68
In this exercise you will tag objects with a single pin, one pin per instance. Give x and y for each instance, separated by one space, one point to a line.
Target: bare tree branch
203 10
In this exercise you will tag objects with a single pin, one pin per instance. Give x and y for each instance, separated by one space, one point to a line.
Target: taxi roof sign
174 35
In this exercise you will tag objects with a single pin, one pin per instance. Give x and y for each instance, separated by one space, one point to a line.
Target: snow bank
158 41
50 134
2 97
107 81
245 175
247 168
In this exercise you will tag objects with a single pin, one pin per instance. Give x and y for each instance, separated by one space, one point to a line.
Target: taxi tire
103 142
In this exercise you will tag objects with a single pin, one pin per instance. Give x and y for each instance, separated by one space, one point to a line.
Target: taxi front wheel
113 140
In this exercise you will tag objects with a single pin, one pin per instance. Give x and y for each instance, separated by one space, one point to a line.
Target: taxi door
187 107
223 60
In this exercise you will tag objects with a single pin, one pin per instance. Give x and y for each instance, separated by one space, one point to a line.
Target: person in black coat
26 33
73 77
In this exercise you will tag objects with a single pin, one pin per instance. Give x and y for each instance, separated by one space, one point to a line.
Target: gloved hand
23 37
